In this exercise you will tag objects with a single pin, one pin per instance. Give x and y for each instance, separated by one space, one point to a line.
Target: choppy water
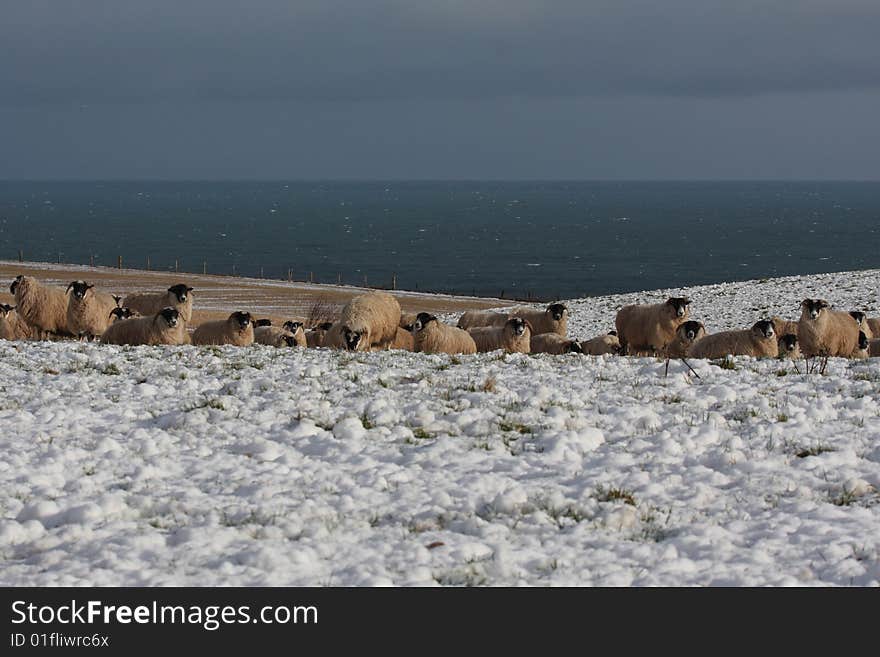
547 239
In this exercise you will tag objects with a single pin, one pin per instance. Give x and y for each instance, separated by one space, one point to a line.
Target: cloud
121 51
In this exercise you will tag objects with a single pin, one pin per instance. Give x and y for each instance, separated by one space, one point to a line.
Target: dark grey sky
440 89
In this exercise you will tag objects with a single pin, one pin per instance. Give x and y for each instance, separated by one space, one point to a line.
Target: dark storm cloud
91 51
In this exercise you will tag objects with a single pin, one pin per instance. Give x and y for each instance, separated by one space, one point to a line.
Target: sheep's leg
824 365
795 367
666 373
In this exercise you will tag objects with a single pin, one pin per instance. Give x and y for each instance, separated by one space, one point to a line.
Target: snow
223 466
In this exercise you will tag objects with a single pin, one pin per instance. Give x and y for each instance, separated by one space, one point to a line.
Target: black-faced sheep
553 319
650 328
315 337
12 326
685 335
88 311
149 303
863 350
291 334
165 327
601 345
513 337
237 330
863 322
369 322
824 332
758 341
788 347
553 343
431 336
42 307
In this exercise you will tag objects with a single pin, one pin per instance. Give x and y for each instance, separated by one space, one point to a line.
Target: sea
525 240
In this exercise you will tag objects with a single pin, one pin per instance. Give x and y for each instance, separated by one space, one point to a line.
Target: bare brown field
217 296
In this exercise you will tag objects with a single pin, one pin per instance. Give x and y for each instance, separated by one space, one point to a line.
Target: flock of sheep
374 321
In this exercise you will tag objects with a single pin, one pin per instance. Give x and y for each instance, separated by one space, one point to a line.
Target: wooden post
59 257
148 263
233 269
261 271
91 261
20 255
290 276
393 281
311 277
176 265
204 266
365 281
119 262
339 278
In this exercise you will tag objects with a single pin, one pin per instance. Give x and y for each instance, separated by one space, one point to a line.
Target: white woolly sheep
863 322
513 337
403 340
553 319
407 320
649 328
89 312
12 326
824 332
431 336
165 327
601 345
42 307
685 335
553 343
788 347
149 303
237 330
476 318
315 337
758 341
369 322
291 334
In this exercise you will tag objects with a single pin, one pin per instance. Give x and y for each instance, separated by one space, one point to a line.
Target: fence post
311 277
59 257
148 263
233 269
91 261
204 266
393 281
339 278
119 262
290 276
176 265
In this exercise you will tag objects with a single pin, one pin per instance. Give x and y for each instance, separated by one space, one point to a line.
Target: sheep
553 343
165 327
601 345
874 347
12 326
863 349
788 347
89 312
403 340
649 328
553 319
237 329
476 318
289 335
758 341
863 322
42 307
685 335
824 332
784 326
149 303
123 313
369 322
874 325
315 337
513 337
431 336
407 320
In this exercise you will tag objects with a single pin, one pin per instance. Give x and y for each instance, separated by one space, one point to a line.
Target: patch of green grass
514 426
725 364
368 424
782 417
815 450
111 370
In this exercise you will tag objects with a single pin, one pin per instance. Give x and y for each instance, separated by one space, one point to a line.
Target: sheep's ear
612 333
117 299
823 304
189 289
263 322
89 287
68 287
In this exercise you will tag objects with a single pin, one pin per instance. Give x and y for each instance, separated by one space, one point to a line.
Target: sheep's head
679 306
289 340
691 331
15 284
355 339
788 342
863 341
557 311
5 309
422 320
242 319
859 317
170 316
181 291
812 308
574 348
326 326
517 325
263 322
764 329
80 289
293 327
121 313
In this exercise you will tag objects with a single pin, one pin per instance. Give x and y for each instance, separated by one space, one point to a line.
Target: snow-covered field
208 466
